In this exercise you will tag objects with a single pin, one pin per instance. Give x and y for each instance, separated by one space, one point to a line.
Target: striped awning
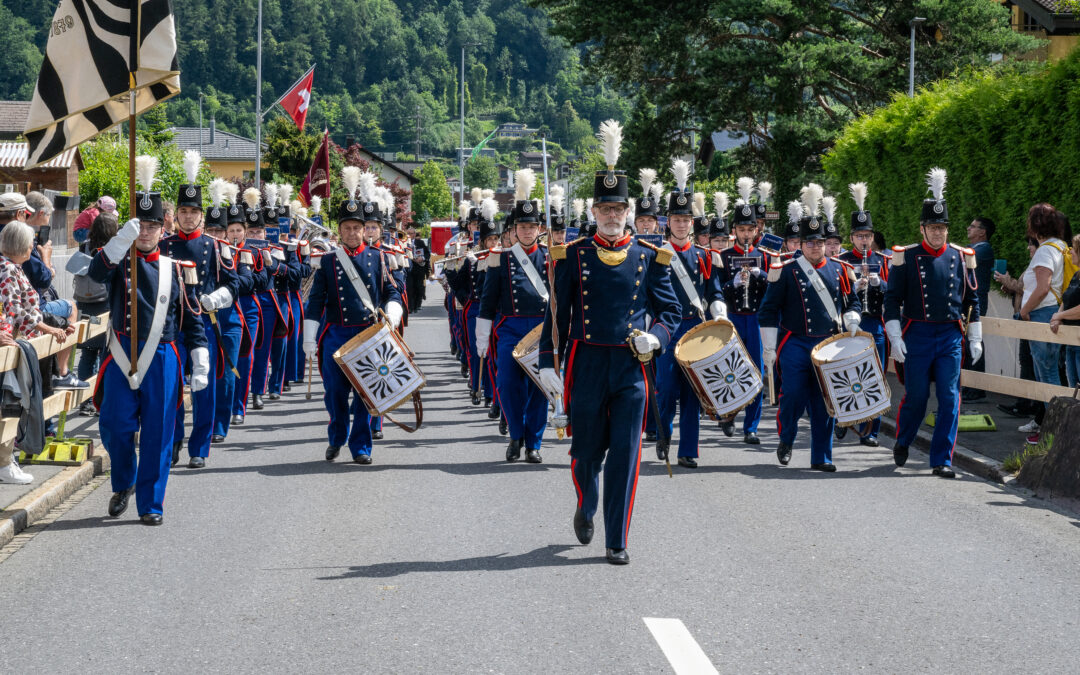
13 156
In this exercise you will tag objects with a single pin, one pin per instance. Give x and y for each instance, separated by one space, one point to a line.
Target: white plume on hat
647 176
463 209
488 209
698 207
745 187
146 167
252 197
794 211
810 196
232 190
270 195
657 191
383 197
486 194
720 203
588 209
631 213
557 199
284 194
858 193
681 169
218 189
477 195
192 160
935 180
828 207
764 192
298 209
524 182
365 186
578 207
350 179
316 205
610 136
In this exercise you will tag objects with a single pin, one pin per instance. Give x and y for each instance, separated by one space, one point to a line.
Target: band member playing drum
930 298
516 295
809 298
603 289
872 273
695 276
350 288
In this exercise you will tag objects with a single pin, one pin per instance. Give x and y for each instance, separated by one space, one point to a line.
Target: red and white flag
297 100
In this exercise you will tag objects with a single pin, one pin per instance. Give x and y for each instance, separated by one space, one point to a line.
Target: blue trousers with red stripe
606 387
252 316
349 421
522 402
260 368
932 349
673 386
149 410
478 375
746 325
874 326
800 391
204 403
294 353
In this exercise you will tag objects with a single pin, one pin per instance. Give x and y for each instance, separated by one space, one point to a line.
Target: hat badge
681 200
215 212
190 192
938 208
146 203
794 228
527 206
368 208
645 203
253 216
813 224
862 217
746 210
351 206
610 180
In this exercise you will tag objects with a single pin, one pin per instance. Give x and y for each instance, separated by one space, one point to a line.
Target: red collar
180 234
859 254
680 248
623 241
933 252
152 256
739 250
355 252
531 249
824 261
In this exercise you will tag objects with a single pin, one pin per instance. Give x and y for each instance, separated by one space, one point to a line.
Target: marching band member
350 285
274 308
764 191
744 281
475 268
604 286
700 222
694 272
872 271
301 250
647 213
558 222
718 226
244 239
283 282
809 298
146 403
216 291
516 292
932 290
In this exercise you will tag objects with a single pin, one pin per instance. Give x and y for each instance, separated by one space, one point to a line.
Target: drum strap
819 287
354 278
418 412
684 280
157 326
530 271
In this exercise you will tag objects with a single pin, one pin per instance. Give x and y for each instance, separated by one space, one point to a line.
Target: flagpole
133 269
258 104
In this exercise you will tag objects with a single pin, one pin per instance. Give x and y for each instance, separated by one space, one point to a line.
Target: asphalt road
441 558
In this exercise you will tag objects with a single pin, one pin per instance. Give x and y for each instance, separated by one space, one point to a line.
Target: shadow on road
320 467
546 556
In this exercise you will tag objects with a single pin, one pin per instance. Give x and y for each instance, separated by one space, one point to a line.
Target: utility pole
418 130
258 103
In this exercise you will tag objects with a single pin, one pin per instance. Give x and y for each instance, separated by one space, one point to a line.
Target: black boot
751 439
474 397
487 402
176 447
464 370
944 471
899 454
532 456
286 387
151 519
783 453
504 428
728 427
688 462
583 527
376 435
118 503
196 462
332 452
256 402
839 432
237 420
650 436
618 556
494 412
513 451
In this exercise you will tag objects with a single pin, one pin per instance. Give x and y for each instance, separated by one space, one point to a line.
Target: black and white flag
94 47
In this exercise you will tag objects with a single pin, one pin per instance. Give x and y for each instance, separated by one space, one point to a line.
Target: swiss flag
297 100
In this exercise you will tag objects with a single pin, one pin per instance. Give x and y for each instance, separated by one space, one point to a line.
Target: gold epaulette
969 255
558 252
663 256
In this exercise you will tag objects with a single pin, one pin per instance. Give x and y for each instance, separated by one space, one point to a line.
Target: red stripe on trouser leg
577 487
568 384
637 468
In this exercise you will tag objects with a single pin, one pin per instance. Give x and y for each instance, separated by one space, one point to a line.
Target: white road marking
681 649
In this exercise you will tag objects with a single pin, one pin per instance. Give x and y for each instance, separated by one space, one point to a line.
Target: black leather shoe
475 397
376 435
1014 410
839 432
237 420
494 412
827 467
650 436
453 348
487 402
286 387
972 394
504 428
362 459
751 439
217 438
256 402
464 370
944 471
151 519
662 452
688 462
783 453
332 452
176 447
869 441
533 456
618 556
582 527
728 428
899 454
196 462
513 451
118 503
273 396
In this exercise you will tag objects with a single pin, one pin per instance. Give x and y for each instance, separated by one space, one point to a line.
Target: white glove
851 322
738 280
718 310
768 344
896 339
646 343
394 312
219 299
483 336
861 284
974 336
311 335
471 257
267 258
875 280
200 368
553 384
756 271
117 246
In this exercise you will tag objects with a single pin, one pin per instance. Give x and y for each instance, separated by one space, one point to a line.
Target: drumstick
772 386
309 367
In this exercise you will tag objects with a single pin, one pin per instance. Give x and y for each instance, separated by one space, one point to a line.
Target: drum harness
684 280
819 287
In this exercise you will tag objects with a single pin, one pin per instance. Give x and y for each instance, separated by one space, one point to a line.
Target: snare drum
719 368
380 367
527 355
851 378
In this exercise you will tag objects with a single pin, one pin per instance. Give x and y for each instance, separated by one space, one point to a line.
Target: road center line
679 646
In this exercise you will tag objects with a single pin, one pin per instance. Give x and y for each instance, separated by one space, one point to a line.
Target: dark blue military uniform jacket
507 289
333 300
792 304
740 299
928 285
703 267
874 296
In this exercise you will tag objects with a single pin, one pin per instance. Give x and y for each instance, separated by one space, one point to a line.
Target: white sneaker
1030 428
12 473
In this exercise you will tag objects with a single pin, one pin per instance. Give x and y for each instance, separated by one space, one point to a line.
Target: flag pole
133 300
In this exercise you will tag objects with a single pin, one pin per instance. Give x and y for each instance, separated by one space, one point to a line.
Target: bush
1006 142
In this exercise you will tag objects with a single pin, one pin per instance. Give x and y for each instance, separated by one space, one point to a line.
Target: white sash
684 280
157 325
530 271
354 278
819 286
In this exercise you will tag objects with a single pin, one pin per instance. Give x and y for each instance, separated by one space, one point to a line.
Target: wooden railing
1012 386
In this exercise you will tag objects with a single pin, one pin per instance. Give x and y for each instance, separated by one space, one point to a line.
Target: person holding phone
979 233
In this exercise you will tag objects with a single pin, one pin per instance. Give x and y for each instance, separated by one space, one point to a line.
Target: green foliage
1014 462
1006 142
481 172
289 151
22 58
153 127
431 195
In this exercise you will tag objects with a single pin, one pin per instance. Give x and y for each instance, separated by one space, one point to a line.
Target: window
1028 22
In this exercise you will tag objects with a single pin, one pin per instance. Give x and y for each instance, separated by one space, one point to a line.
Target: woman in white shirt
1043 280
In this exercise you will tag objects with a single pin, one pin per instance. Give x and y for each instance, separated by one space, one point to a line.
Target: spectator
17 297
1014 288
84 220
1043 283
1069 315
168 210
43 210
879 241
979 233
10 471
92 299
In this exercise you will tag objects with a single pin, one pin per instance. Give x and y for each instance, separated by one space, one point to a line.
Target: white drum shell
852 379
728 378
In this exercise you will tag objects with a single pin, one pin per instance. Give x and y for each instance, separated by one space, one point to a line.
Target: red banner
317 181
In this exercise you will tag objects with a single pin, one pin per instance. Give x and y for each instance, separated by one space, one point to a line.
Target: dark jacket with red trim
507 289
928 285
333 300
741 300
704 267
876 264
792 304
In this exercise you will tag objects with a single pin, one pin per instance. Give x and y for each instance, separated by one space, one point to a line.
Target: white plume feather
557 199
858 193
316 205
487 194
745 187
232 190
217 189
647 176
698 207
764 192
146 167
463 209
488 209
270 195
657 191
681 169
252 197
794 211
350 179
631 213
192 160
365 186
610 142
828 207
578 208
720 203
284 194
384 197
477 195
588 209
524 182
811 196
935 179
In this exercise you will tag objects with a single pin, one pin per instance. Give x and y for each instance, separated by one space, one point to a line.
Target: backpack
1070 268
86 290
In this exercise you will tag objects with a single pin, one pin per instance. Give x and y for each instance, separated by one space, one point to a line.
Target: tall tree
431 195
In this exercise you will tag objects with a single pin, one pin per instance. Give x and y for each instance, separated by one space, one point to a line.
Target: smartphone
43 234
1001 266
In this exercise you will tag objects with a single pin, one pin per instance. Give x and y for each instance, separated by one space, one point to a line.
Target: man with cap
283 283
474 268
809 299
350 286
719 230
833 242
273 307
245 240
700 221
216 290
695 276
558 222
145 404
300 250
744 279
647 213
605 285
930 304
872 274
516 295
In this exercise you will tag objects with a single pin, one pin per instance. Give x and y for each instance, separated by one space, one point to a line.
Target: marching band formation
605 326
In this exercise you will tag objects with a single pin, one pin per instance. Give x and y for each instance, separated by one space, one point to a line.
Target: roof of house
13 116
13 156
371 156
226 145
1051 15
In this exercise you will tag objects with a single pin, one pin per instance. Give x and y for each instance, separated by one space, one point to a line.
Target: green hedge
1006 142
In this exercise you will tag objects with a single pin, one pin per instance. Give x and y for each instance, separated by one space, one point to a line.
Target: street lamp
461 147
911 57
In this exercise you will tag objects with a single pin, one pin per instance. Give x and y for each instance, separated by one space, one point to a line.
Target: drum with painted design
718 367
381 369
851 377
527 355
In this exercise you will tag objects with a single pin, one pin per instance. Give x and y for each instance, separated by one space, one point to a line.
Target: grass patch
1014 462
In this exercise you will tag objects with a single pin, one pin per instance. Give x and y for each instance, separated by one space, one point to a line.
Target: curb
33 506
965 458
